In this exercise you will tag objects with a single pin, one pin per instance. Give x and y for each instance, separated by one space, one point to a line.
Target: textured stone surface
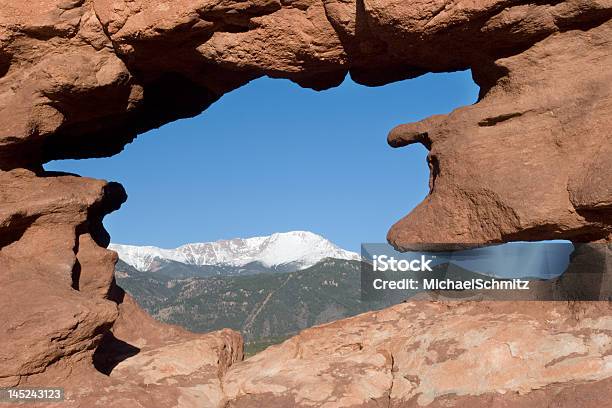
44 318
82 78
65 322
530 160
464 354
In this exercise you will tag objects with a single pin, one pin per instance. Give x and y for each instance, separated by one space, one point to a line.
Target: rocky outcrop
66 323
426 353
536 121
529 161
83 78
42 223
150 364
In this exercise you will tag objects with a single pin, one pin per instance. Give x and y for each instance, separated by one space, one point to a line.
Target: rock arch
530 160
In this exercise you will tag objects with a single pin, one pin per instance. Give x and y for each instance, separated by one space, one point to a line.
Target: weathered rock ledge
426 353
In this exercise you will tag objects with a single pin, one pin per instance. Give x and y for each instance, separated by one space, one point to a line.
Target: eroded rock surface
530 160
44 319
65 322
425 353
83 78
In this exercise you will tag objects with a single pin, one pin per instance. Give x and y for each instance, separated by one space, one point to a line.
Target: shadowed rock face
530 160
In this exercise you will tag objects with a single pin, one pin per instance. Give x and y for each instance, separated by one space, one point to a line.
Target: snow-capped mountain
300 249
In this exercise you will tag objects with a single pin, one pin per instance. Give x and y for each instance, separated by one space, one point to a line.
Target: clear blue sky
272 157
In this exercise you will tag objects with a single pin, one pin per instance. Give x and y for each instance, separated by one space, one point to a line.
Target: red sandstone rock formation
82 78
458 354
536 121
65 322
531 160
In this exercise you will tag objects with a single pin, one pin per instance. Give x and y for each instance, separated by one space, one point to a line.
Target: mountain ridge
294 250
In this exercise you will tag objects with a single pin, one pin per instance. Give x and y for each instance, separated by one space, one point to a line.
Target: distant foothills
268 288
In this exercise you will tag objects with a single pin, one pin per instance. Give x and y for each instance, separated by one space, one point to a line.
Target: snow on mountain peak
301 249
